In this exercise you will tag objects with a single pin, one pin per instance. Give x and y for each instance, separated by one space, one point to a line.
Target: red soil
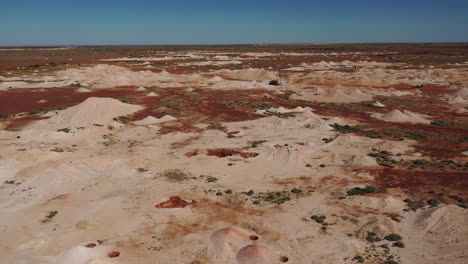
418 179
174 202
221 153
16 101
113 254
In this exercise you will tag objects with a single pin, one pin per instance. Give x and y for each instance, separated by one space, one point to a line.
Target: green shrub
393 237
359 259
49 217
346 128
372 237
433 202
175 175
362 191
318 219
442 123
399 244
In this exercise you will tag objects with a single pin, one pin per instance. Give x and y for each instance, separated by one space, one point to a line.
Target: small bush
208 178
362 191
296 191
318 219
399 244
372 237
122 119
393 237
359 259
49 217
433 202
346 128
175 175
442 123
255 143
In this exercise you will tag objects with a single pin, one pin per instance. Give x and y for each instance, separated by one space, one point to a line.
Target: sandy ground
341 159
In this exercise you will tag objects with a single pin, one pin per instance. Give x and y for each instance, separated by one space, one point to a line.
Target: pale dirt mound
83 255
437 234
336 95
445 221
314 90
361 160
457 100
282 110
256 254
83 90
463 93
152 94
387 204
42 101
377 104
216 79
94 110
150 120
381 225
253 74
140 89
284 156
226 242
403 117
109 76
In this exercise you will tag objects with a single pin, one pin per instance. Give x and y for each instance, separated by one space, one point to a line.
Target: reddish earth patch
203 105
221 153
418 179
253 238
113 254
18 123
191 154
185 128
16 101
90 245
174 202
295 181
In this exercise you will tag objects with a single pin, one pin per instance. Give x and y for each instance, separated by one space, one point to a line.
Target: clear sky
101 22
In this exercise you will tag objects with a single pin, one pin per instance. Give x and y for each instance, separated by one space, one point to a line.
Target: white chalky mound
377 104
256 254
94 110
403 116
83 90
149 120
226 242
463 93
82 255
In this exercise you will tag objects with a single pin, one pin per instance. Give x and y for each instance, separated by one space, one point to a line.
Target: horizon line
234 44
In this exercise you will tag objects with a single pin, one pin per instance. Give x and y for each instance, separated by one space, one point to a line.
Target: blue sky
101 22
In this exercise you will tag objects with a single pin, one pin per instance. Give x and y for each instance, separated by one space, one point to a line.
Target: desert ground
247 154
